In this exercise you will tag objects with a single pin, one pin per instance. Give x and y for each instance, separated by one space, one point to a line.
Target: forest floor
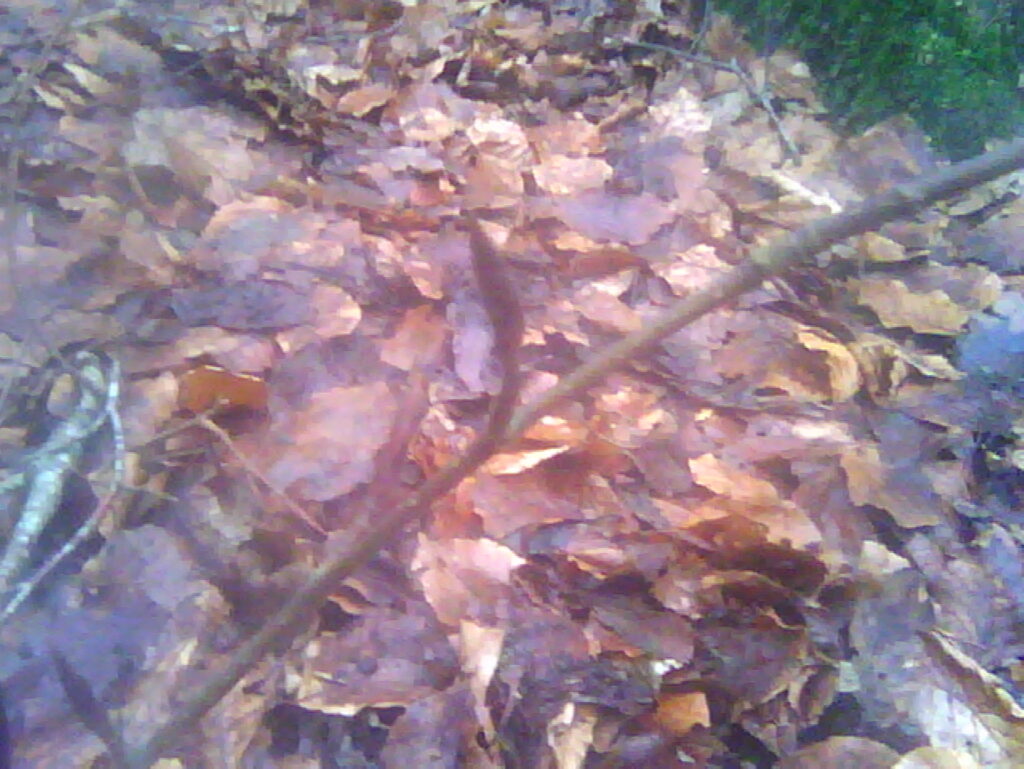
788 536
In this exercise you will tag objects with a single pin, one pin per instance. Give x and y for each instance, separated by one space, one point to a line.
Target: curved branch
289 621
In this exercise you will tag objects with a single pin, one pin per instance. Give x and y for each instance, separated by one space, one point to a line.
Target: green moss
953 66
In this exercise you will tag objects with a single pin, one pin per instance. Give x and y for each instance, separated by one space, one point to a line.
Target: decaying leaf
803 502
310 461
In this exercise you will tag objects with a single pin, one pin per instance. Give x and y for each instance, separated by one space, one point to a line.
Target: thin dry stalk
289 621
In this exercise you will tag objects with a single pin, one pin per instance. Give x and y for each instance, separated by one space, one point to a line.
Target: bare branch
506 316
901 201
280 629
291 619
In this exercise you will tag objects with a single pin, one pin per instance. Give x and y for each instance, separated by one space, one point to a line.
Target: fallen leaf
679 713
512 463
253 305
603 216
842 751
418 341
332 441
908 498
896 305
715 475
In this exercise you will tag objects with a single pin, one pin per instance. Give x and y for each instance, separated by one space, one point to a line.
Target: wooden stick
289 621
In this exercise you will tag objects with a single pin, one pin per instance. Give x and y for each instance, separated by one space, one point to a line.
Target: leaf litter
790 534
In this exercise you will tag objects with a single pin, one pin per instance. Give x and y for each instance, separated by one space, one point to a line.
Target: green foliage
953 65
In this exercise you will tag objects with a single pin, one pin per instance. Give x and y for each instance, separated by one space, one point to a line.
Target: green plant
952 66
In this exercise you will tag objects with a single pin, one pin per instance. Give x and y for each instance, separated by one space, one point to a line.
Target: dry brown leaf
884 368
897 306
843 371
631 412
749 525
682 117
769 436
554 429
725 41
619 509
571 734
932 299
388 658
692 270
504 154
907 499
680 516
878 248
768 354
429 112
206 150
506 503
147 405
588 258
733 483
417 341
160 619
679 713
606 310
255 305
888 153
574 137
432 731
996 241
360 101
661 634
791 78
479 653
206 387
148 249
563 175
466 580
244 353
936 758
608 217
101 215
758 658
520 461
839 752
332 441
983 690
337 313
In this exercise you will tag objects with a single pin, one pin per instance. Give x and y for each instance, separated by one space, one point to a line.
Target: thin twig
46 468
793 248
503 311
305 517
760 95
289 620
92 523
